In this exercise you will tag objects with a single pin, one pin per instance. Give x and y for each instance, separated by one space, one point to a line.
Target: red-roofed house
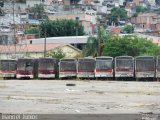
36 50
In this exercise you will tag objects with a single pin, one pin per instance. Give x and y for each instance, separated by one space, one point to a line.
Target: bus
145 67
26 68
8 68
67 68
124 66
85 68
47 68
104 66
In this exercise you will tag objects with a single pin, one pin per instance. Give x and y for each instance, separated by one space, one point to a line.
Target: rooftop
29 48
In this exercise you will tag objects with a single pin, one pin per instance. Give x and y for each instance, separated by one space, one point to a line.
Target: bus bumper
124 74
46 75
85 75
8 75
63 75
24 76
103 74
157 74
145 74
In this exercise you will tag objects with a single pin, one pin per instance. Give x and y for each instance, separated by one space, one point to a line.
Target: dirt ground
99 97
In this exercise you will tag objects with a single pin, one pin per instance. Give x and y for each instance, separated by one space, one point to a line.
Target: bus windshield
46 65
145 64
4 65
103 64
86 65
67 65
124 63
25 65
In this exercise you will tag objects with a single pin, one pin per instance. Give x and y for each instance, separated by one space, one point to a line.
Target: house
31 3
74 15
155 26
144 20
36 50
88 19
130 8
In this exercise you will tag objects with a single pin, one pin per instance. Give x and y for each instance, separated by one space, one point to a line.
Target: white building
152 2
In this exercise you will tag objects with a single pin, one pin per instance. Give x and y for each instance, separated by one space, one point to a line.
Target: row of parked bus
99 67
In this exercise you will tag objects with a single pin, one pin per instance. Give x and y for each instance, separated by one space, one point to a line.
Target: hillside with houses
21 20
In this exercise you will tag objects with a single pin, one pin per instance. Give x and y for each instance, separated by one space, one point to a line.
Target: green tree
128 29
117 13
91 48
38 11
58 53
95 45
63 27
141 9
135 15
130 45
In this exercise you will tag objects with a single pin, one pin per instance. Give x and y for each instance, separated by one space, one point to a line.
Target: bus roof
124 57
144 57
104 57
68 59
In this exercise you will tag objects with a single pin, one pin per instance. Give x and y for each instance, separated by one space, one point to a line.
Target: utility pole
45 32
14 32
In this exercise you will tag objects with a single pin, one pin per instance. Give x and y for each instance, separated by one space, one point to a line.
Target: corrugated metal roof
64 40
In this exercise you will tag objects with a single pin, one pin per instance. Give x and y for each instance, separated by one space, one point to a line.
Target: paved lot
53 96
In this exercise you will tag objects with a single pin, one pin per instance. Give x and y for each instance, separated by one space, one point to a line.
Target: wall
70 52
82 16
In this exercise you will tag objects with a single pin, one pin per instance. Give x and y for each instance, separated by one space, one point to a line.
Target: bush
58 53
128 29
32 31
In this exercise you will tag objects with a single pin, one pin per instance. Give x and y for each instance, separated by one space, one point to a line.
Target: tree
140 9
91 48
117 13
38 11
58 53
55 28
95 45
135 15
130 45
128 29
